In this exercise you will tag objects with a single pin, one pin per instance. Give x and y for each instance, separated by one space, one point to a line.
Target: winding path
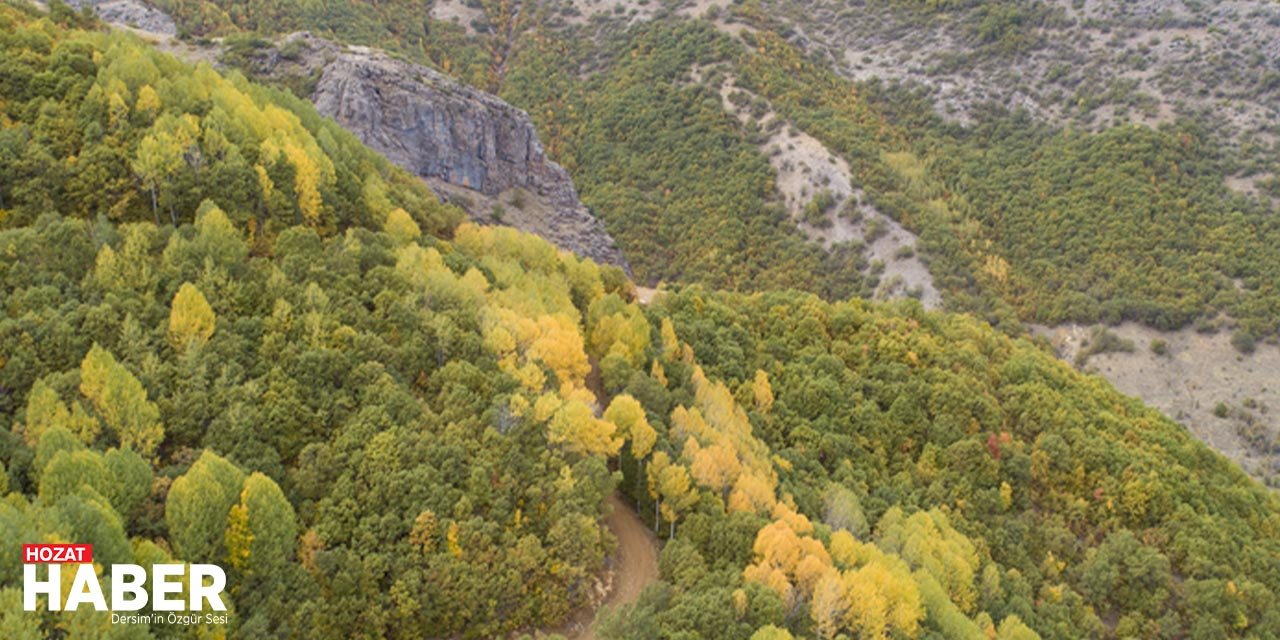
635 561
634 565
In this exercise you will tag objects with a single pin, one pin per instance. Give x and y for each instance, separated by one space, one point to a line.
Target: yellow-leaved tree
927 541
881 595
762 392
579 431
306 183
788 561
148 101
715 467
191 319
400 225
120 399
626 413
45 410
670 488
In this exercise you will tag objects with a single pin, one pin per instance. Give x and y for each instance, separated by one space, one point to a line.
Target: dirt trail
636 559
633 566
634 563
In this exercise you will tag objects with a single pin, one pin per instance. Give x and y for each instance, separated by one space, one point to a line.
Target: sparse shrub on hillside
1244 341
687 199
1160 347
1103 340
875 229
816 210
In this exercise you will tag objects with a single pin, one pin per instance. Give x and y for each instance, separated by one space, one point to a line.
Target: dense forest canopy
386 423
958 481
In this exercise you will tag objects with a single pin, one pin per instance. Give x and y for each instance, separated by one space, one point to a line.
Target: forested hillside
950 482
679 185
98 124
1021 218
231 334
263 390
374 436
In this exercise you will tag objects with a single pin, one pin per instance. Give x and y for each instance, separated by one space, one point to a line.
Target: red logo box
57 553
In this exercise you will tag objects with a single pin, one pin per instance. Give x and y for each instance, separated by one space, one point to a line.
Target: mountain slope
386 423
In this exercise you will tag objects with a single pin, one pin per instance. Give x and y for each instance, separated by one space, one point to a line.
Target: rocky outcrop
130 13
476 149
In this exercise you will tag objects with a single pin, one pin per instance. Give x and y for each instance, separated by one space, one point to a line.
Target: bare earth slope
1226 399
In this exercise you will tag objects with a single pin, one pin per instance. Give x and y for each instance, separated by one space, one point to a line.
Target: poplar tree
574 427
122 402
191 319
400 225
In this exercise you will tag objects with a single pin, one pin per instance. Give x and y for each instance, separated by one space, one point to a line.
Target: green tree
68 471
272 527
198 507
157 159
131 479
1124 574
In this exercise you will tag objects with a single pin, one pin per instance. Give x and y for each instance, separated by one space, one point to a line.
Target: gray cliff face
428 125
476 149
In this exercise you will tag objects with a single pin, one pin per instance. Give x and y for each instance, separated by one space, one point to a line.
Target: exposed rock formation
130 13
477 150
